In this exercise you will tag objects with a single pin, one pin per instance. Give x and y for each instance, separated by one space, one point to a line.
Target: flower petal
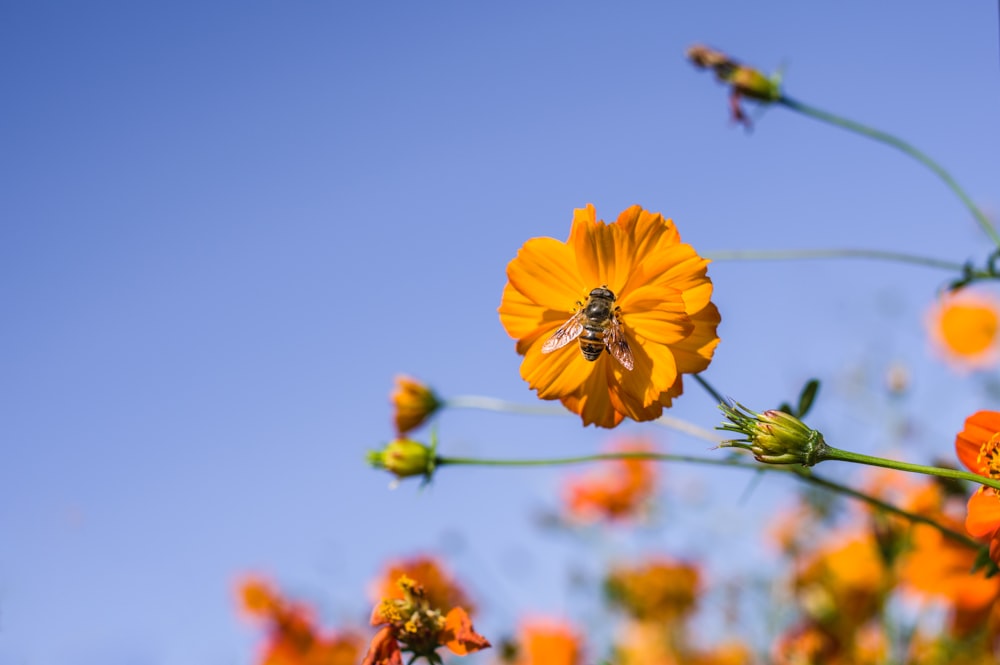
555 374
545 272
694 352
459 635
984 514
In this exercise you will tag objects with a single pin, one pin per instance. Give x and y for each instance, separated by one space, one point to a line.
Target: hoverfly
597 326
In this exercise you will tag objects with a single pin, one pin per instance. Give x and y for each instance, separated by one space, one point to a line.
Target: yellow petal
658 315
593 401
596 248
694 352
557 374
545 272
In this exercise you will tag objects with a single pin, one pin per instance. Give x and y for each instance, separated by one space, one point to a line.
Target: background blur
226 226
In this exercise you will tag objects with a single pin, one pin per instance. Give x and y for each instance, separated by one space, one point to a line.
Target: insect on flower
597 326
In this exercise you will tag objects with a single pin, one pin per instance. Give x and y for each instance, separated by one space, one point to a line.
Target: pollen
989 456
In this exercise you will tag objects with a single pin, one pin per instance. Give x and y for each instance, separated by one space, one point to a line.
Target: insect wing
614 339
566 334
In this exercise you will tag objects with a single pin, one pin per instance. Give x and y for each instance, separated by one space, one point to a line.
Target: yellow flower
963 326
661 313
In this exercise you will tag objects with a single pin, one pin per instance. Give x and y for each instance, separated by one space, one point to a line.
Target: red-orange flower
619 490
293 637
964 327
978 447
657 323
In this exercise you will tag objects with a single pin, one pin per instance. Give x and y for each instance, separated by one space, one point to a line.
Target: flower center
989 457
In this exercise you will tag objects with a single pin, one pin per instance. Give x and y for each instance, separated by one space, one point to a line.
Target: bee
597 326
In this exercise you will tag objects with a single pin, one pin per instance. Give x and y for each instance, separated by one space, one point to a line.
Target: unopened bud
774 437
404 458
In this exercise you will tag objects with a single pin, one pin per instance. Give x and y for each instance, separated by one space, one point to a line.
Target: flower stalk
899 144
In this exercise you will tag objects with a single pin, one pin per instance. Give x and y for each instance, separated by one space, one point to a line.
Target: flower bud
774 437
744 82
413 403
404 458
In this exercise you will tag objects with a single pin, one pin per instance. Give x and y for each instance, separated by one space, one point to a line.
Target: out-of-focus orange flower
845 583
805 644
657 322
439 587
412 624
619 490
660 590
963 327
978 447
413 403
293 637
547 642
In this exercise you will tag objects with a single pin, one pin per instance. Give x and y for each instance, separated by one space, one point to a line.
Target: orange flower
547 642
978 447
440 589
963 326
659 590
293 637
413 624
632 284
619 491
413 403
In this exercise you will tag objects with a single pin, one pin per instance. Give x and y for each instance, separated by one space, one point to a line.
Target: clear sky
225 226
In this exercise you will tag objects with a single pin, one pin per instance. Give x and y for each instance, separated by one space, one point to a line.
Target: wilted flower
631 287
774 437
413 625
413 403
439 587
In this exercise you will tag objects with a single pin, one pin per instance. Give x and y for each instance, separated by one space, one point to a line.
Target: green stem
830 453
800 254
709 389
601 457
899 144
502 406
800 474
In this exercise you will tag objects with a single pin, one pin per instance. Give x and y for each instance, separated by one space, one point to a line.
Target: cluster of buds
774 437
743 81
410 624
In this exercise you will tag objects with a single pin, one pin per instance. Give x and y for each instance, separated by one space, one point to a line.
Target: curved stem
901 145
847 253
830 453
801 474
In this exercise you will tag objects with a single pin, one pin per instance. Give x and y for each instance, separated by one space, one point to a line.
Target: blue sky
226 226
